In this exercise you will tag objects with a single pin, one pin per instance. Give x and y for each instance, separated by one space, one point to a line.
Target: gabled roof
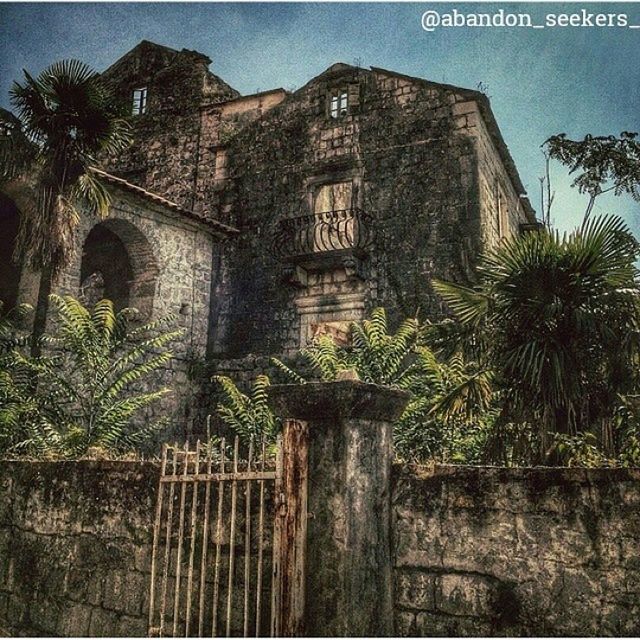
336 69
168 53
217 226
477 96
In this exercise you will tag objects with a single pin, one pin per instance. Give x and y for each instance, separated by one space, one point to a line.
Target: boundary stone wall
475 551
509 552
75 547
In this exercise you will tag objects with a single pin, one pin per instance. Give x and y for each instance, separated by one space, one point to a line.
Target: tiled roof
157 199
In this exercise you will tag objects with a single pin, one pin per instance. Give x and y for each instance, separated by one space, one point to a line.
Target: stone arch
10 270
118 263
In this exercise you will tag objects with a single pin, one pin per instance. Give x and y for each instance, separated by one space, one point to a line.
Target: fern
248 416
451 399
85 386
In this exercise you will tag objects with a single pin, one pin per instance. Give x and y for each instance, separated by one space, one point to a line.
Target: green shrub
81 393
248 416
449 399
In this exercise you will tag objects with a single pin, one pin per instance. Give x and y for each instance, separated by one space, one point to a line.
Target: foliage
449 410
560 318
627 430
82 393
248 416
15 376
579 450
63 120
450 400
599 161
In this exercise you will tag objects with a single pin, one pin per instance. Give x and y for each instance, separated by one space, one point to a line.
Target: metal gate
216 562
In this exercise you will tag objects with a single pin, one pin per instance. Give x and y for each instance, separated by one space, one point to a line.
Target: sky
574 79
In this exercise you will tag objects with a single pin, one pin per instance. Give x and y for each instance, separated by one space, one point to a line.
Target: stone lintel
324 301
343 399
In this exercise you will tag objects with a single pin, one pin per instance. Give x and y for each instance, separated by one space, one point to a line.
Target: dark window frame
140 99
338 103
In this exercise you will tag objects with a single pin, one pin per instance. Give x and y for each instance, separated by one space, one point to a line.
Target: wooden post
291 529
336 459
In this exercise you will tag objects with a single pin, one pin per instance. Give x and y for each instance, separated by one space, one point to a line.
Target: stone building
263 220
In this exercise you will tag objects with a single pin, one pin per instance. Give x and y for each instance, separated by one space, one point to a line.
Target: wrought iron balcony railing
318 236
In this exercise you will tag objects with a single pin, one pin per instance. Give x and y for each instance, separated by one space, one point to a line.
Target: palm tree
64 119
561 318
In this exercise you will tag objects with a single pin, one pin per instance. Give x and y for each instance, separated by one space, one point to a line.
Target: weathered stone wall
476 551
415 162
167 137
171 263
76 543
501 208
486 551
75 547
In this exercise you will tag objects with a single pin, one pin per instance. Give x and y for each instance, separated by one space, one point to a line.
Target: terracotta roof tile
154 197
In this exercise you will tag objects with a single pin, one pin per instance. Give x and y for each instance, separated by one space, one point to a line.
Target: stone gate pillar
337 440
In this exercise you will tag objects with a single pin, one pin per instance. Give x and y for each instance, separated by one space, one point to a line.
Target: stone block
123 592
405 624
84 585
415 590
443 625
104 624
464 595
131 627
74 620
142 559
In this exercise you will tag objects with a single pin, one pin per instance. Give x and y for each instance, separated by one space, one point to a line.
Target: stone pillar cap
340 399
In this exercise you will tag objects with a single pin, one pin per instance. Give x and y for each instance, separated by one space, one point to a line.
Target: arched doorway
118 263
10 271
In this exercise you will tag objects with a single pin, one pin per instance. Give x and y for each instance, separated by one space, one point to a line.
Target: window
338 103
139 101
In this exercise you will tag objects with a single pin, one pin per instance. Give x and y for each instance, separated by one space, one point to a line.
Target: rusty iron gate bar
196 586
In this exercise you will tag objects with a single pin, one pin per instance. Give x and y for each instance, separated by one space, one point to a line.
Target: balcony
324 240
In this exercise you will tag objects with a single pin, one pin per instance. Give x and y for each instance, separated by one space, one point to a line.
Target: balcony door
336 196
333 205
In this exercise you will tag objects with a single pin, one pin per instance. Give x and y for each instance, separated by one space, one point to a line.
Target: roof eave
215 226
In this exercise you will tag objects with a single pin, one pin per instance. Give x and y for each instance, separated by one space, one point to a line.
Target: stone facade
150 255
352 192
168 258
164 158
425 162
412 160
475 551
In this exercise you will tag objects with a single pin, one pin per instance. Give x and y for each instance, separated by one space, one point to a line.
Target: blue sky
576 80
